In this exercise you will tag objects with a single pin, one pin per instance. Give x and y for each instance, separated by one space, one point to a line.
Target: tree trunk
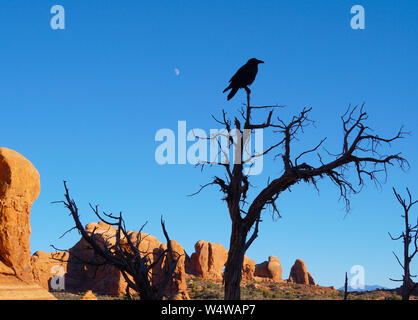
346 287
407 282
406 276
233 266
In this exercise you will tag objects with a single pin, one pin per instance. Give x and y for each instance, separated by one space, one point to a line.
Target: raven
243 77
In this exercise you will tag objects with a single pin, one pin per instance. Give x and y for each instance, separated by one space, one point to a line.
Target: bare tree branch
361 158
409 235
134 265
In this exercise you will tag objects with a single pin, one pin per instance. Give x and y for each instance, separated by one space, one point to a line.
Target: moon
177 71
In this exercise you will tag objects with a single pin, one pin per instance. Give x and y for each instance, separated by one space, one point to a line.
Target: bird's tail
232 93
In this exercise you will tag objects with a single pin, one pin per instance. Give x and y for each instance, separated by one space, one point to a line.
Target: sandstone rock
89 295
248 269
107 279
177 287
81 277
270 269
12 288
253 286
208 262
19 187
5 270
299 274
45 266
311 279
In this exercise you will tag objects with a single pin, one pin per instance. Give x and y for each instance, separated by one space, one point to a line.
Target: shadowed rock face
12 288
89 295
19 187
107 279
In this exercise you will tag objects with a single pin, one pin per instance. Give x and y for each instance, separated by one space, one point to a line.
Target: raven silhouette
243 77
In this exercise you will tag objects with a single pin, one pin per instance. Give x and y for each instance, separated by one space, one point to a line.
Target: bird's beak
259 61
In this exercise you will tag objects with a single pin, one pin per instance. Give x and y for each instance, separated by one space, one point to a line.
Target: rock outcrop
270 270
248 269
29 277
19 187
208 262
12 288
311 279
81 277
299 273
89 295
49 267
107 279
177 287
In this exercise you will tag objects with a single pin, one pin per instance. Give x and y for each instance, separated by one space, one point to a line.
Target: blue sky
84 104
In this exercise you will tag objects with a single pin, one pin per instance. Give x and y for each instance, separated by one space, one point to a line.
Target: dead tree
124 253
346 287
409 235
359 151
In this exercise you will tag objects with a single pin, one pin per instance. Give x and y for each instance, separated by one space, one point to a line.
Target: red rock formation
208 262
248 269
89 295
45 266
19 187
299 274
81 277
177 287
12 288
271 270
108 280
311 279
